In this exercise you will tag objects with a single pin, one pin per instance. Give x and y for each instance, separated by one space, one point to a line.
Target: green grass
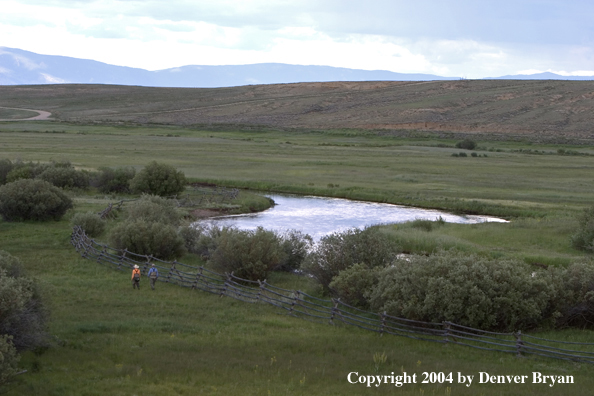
14 114
110 339
393 170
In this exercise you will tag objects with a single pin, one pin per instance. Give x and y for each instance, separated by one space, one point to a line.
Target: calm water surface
319 216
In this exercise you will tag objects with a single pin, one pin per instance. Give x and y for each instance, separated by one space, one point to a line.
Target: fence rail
301 305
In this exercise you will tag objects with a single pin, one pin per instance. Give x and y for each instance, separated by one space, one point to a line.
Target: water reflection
319 216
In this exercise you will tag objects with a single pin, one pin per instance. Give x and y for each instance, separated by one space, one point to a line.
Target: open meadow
111 339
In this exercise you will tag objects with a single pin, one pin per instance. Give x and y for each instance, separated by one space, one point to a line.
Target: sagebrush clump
341 250
153 208
248 254
116 180
583 239
90 222
31 199
466 289
159 179
148 238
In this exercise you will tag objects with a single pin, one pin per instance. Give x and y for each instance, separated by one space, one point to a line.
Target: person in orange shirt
136 277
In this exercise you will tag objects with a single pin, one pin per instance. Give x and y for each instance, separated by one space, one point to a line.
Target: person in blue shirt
153 274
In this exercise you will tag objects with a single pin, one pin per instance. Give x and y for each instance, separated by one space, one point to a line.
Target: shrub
465 289
248 254
153 208
65 177
583 239
354 284
159 179
90 222
148 238
25 170
339 251
114 180
296 246
9 358
466 144
5 168
23 315
577 302
32 200
462 155
473 154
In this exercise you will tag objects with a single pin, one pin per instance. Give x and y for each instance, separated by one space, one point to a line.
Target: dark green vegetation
111 339
30 199
23 316
159 179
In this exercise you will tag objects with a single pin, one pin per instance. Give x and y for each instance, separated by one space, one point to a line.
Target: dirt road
42 115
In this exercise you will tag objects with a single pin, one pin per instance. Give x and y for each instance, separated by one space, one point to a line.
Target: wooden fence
333 311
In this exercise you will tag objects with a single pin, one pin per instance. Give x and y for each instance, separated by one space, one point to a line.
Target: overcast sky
457 38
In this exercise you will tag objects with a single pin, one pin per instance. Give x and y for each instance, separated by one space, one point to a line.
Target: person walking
153 274
136 277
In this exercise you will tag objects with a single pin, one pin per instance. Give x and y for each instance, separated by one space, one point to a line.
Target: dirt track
41 116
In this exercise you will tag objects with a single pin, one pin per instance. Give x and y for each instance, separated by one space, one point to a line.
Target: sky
453 38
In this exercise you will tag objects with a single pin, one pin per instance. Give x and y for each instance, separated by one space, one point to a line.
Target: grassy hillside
554 111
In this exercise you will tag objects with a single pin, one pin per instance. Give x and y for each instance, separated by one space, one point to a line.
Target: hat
135 266
152 265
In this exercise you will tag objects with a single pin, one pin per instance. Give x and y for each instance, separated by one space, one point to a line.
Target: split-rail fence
301 305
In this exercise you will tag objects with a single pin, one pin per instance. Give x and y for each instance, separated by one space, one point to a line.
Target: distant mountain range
19 67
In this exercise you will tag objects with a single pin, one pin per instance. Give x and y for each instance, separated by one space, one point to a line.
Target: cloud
461 37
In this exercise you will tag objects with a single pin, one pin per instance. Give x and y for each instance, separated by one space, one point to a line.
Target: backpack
136 277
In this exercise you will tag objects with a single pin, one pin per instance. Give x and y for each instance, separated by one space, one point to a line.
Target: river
319 216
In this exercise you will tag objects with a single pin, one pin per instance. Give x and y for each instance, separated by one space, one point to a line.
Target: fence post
226 285
295 299
103 253
122 258
383 326
519 343
334 310
446 331
198 275
148 262
170 272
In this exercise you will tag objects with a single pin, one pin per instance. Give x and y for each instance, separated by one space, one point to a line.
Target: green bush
9 359
296 246
153 208
469 290
90 222
115 180
248 254
191 234
30 199
65 177
466 144
583 239
577 292
354 284
5 168
23 315
462 155
159 179
339 251
25 170
148 238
